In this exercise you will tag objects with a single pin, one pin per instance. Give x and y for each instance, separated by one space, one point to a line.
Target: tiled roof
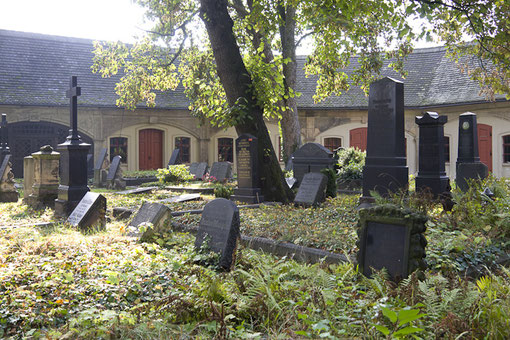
35 70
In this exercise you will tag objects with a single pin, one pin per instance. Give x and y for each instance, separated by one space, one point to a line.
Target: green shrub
223 190
174 174
139 173
351 162
331 187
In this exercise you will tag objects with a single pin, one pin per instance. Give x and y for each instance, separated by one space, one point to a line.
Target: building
35 70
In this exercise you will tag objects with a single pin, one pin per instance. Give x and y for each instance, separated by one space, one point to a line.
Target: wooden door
485 144
358 138
150 149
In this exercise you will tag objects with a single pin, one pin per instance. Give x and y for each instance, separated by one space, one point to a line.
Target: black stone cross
73 93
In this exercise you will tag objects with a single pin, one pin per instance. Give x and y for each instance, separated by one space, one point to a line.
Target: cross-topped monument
73 93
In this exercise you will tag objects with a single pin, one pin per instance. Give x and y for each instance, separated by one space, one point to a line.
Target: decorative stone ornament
392 238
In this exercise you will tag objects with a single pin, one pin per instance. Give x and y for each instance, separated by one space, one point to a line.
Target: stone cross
73 93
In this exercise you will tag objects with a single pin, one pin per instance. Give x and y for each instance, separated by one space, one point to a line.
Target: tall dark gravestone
221 171
174 158
100 167
468 160
248 180
385 168
4 137
311 157
432 174
73 160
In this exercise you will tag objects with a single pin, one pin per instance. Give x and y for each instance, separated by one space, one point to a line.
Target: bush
223 190
174 174
351 162
331 186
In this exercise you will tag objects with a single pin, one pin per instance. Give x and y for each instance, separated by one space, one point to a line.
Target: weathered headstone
8 192
46 179
4 138
312 190
73 160
201 171
155 214
469 166
114 177
385 168
221 171
89 213
100 167
193 168
181 198
248 180
432 174
174 158
219 230
391 238
28 175
311 157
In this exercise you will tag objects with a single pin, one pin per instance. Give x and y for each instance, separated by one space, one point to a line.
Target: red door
151 149
485 144
358 138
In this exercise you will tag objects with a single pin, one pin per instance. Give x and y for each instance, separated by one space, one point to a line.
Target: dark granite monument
219 229
391 238
114 178
174 158
8 192
385 168
312 190
432 175
311 157
248 180
201 170
4 138
89 213
73 160
100 167
469 166
193 169
221 171
156 215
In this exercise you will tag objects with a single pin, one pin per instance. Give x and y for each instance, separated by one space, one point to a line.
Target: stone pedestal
8 192
28 175
45 180
73 176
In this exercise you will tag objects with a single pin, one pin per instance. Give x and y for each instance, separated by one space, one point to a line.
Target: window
332 143
506 149
226 150
118 146
447 149
183 144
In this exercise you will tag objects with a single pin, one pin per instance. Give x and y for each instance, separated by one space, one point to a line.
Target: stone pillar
468 160
28 176
45 181
248 180
432 175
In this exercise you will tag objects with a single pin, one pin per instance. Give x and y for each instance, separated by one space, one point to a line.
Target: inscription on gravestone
221 171
90 212
312 190
248 182
219 228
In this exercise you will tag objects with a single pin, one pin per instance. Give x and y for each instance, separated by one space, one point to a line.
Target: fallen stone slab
207 191
136 191
122 213
181 198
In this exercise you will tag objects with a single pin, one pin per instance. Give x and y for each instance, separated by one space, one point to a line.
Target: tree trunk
291 129
237 84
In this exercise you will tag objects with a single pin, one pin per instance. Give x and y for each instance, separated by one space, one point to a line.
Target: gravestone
312 190
432 174
469 166
100 167
193 169
155 215
219 229
114 177
201 171
73 160
89 213
385 169
311 157
136 191
28 176
4 138
248 180
181 198
391 238
8 192
90 165
45 185
221 171
174 158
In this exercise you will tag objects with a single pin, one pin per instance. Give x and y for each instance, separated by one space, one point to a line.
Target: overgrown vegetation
350 162
174 174
139 173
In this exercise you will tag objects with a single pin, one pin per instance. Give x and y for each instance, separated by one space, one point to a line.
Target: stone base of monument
42 196
467 171
68 199
11 196
384 179
434 185
248 195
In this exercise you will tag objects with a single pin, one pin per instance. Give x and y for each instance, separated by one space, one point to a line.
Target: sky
91 19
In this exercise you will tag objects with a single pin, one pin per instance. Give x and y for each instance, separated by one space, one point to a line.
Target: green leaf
406 316
383 329
407 330
389 314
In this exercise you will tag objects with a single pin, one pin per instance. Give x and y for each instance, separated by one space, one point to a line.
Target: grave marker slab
156 214
391 238
312 190
311 157
385 168
193 168
100 167
201 171
248 180
181 198
90 212
136 191
221 171
219 225
114 177
174 158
